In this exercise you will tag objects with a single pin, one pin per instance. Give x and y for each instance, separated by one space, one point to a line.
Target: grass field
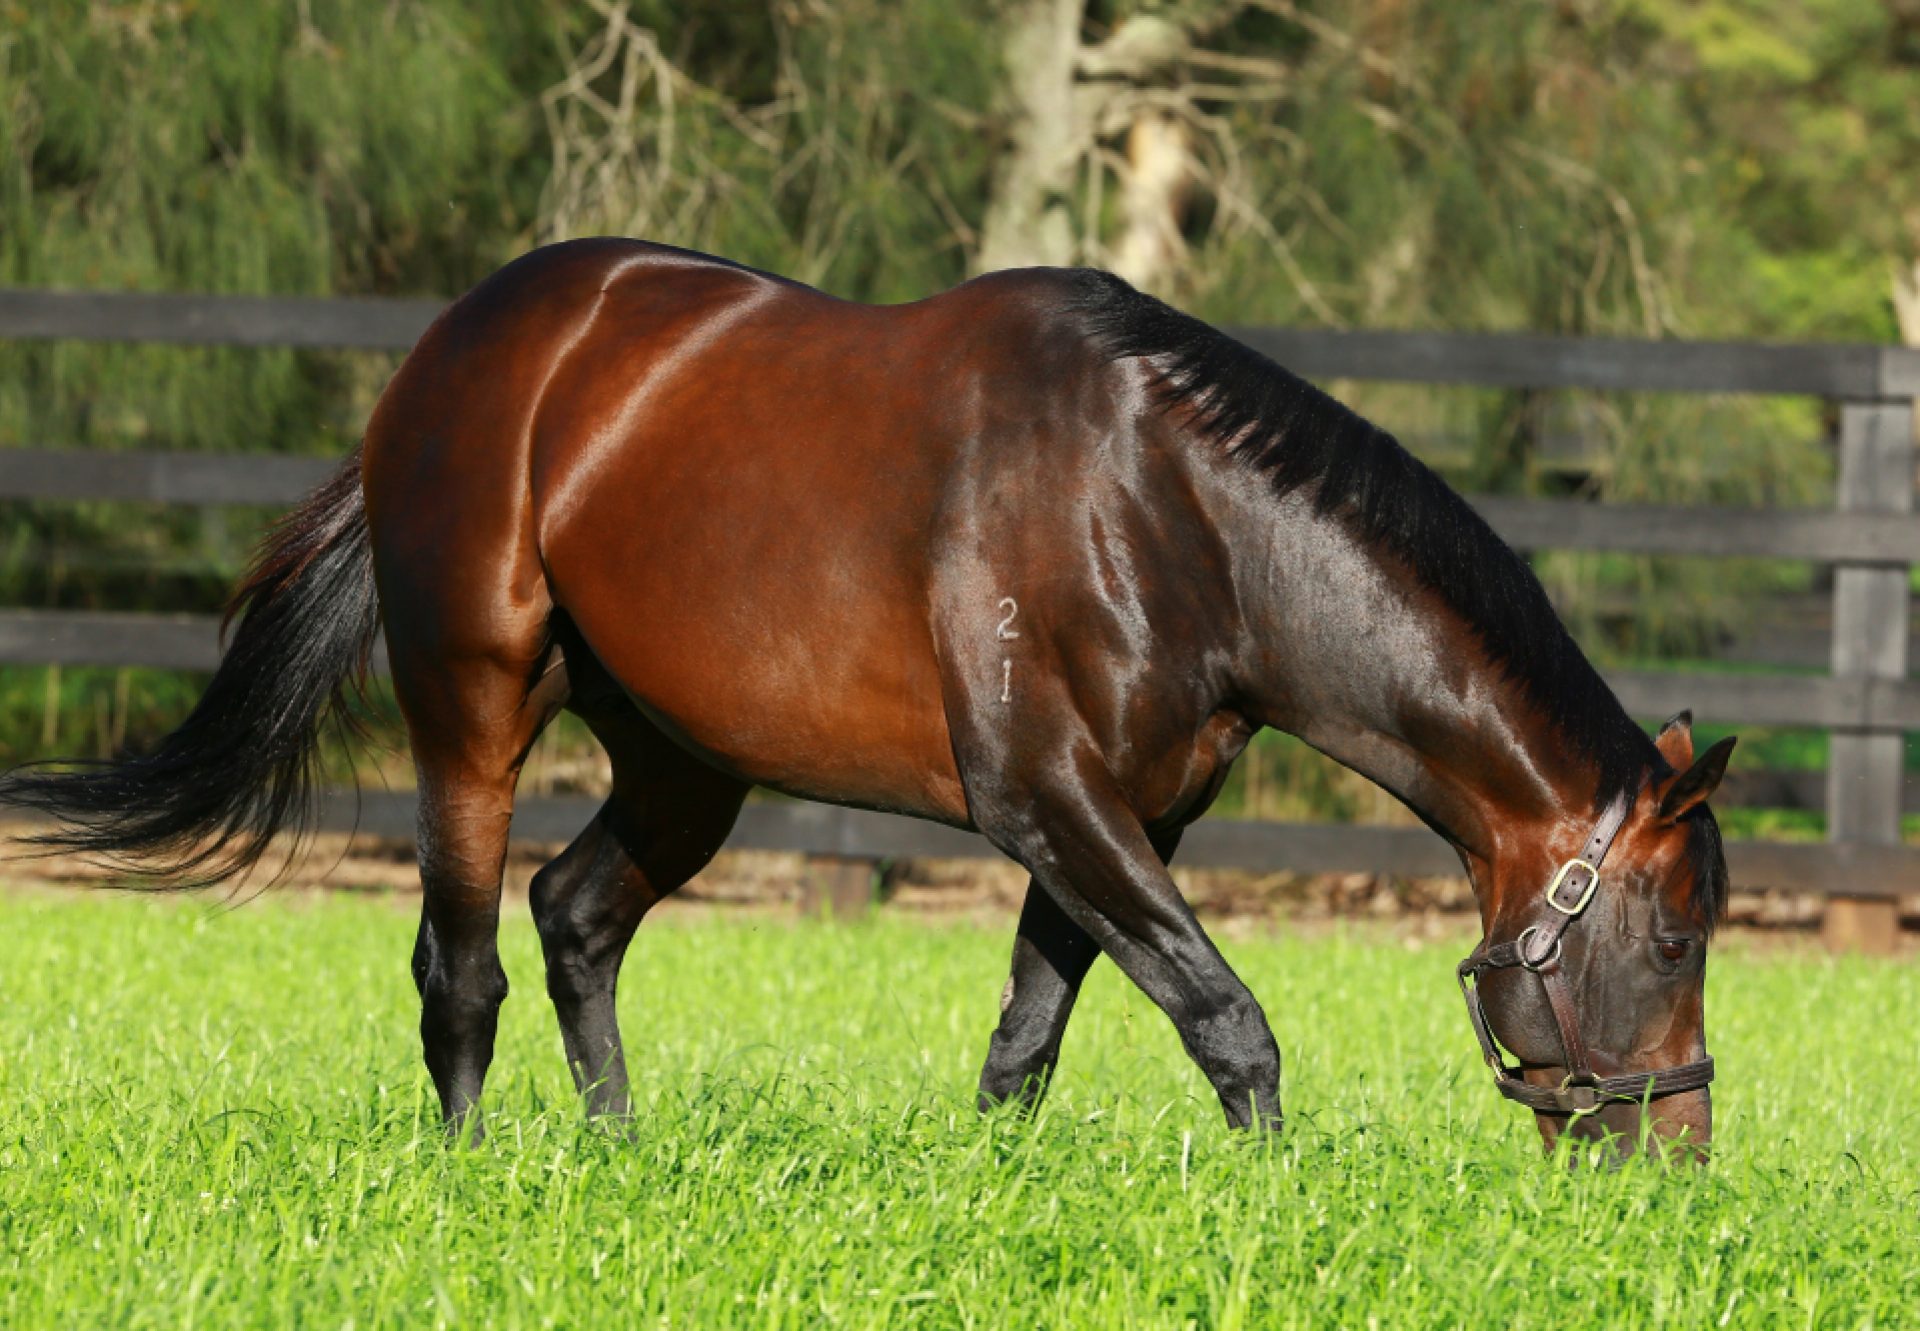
218 1119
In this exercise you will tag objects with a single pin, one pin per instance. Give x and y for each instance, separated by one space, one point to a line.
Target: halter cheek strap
1537 948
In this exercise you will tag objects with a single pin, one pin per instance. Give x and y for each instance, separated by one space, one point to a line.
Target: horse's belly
850 717
784 654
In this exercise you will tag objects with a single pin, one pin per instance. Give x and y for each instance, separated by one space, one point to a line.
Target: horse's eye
1675 949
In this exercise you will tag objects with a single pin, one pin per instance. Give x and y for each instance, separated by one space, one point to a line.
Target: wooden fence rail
1708 531
1857 372
1872 540
1882 873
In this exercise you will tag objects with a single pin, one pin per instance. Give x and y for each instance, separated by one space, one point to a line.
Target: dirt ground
1415 908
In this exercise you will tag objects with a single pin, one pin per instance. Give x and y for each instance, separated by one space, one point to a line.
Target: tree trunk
1029 217
1154 194
1906 299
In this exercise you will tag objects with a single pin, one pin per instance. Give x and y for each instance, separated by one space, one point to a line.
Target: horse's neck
1370 669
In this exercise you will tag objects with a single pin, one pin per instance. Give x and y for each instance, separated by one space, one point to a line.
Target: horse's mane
1303 440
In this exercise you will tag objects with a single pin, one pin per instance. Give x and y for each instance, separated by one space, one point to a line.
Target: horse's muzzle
1677 1128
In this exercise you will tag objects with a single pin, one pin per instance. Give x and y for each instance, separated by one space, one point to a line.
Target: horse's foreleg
1051 956
1090 853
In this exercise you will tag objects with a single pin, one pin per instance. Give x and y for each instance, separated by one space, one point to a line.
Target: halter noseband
1537 949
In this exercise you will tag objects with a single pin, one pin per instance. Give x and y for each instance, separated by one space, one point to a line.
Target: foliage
1810 106
219 1119
226 147
838 143
333 146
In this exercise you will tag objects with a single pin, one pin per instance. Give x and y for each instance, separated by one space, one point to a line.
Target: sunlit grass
218 1118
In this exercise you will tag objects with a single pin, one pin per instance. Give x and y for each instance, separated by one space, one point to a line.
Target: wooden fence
1871 538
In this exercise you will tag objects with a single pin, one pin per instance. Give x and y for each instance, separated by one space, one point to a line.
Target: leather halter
1537 949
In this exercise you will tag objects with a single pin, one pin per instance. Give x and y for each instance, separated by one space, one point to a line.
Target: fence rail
1709 531
860 835
1502 360
1872 539
311 322
162 478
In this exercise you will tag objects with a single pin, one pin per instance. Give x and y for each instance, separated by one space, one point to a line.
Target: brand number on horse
1006 632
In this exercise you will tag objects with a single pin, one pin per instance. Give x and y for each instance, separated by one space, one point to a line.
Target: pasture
219 1118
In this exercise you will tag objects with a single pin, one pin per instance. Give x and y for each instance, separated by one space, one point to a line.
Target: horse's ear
1675 741
1692 787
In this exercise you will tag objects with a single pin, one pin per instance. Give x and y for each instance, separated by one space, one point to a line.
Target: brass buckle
1593 885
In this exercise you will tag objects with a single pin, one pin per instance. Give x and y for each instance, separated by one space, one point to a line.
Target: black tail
243 766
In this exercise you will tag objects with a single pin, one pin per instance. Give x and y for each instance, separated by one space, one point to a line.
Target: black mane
1304 440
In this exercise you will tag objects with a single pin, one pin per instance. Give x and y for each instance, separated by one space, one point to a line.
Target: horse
1036 556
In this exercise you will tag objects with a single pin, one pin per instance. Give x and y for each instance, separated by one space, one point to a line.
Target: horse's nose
1678 1128
1683 1126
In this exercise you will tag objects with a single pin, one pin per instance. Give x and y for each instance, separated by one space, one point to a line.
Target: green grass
216 1118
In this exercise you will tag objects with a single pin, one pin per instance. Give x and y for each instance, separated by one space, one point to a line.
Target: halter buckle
1520 950
1593 885
1578 1095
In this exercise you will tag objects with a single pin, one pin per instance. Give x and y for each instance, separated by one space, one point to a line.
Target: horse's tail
243 766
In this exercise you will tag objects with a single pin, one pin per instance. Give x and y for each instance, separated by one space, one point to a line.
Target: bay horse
1035 556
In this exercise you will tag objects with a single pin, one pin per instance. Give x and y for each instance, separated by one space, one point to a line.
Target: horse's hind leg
472 719
667 815
466 804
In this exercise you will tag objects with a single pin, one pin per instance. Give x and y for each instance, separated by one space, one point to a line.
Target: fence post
837 887
1866 768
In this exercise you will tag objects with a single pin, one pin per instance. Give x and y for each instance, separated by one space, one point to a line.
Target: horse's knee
1234 1045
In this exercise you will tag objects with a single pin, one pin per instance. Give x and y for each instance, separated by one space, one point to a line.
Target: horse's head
1594 981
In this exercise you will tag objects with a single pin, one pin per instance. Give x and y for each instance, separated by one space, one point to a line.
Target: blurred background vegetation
1646 168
